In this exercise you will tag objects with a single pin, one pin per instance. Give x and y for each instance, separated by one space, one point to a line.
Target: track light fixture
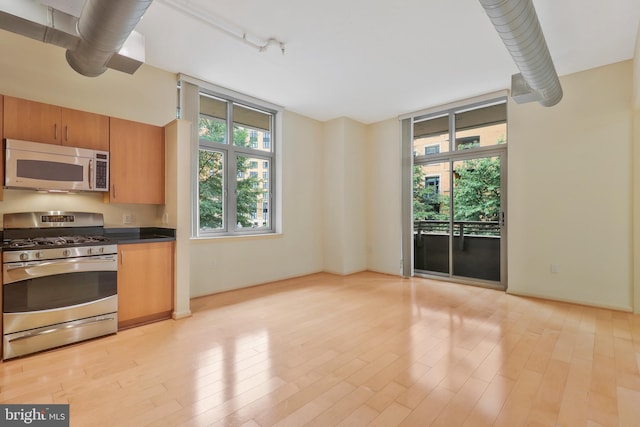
197 12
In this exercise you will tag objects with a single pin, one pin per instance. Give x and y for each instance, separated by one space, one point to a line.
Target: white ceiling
375 59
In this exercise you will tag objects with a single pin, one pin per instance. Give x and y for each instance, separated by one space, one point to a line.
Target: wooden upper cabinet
86 130
31 121
51 124
136 163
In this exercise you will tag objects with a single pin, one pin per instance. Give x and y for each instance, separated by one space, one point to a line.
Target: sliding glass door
432 219
477 214
458 204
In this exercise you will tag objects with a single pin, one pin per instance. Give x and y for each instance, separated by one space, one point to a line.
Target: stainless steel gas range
59 280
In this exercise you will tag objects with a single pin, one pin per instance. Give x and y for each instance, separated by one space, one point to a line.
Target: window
266 140
211 189
467 142
432 149
433 184
471 127
235 174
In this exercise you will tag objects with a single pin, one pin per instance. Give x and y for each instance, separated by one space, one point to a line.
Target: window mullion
245 167
232 176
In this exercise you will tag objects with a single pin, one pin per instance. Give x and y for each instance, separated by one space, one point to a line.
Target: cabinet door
31 121
145 282
137 162
86 130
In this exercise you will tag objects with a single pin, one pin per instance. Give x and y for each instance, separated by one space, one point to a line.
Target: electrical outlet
555 268
127 218
165 218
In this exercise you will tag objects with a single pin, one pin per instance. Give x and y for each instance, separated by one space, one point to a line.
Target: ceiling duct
518 26
103 27
107 38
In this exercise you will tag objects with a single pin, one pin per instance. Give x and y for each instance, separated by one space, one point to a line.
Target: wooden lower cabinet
145 283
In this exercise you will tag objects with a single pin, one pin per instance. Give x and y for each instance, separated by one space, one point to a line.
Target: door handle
53 329
90 174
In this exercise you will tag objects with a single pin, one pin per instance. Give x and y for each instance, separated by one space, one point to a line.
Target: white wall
31 201
636 173
345 214
333 190
570 186
569 193
636 72
383 214
39 71
229 263
570 170
355 197
178 194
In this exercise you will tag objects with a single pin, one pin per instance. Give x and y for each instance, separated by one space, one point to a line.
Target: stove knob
101 250
24 256
90 251
38 254
66 252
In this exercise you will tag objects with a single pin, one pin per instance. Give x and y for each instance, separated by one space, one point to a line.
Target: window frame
191 100
407 123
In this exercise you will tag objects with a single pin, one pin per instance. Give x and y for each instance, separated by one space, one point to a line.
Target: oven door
38 294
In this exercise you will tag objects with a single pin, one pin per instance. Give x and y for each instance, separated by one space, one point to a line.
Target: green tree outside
477 191
428 204
476 194
211 178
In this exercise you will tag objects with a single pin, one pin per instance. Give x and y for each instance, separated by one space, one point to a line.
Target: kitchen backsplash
115 215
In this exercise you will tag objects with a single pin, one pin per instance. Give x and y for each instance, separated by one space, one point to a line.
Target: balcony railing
460 228
475 248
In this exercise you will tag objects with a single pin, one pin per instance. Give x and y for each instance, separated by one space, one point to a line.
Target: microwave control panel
101 175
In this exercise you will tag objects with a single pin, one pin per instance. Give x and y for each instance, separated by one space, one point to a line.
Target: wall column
345 190
178 194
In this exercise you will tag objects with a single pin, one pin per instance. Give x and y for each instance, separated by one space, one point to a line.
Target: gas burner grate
36 242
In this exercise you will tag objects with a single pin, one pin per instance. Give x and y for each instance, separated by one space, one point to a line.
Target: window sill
247 237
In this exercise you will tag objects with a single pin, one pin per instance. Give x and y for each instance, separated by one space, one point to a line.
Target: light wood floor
366 349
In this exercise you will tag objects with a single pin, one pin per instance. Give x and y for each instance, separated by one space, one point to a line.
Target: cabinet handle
66 131
55 131
114 190
121 258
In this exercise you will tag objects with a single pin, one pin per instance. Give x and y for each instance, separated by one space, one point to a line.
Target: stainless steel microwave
55 167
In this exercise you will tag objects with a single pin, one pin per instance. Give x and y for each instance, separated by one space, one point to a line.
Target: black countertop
140 235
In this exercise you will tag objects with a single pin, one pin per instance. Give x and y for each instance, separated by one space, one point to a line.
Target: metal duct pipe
103 27
517 24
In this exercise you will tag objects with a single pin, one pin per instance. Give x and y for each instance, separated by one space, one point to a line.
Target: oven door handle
76 324
13 274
